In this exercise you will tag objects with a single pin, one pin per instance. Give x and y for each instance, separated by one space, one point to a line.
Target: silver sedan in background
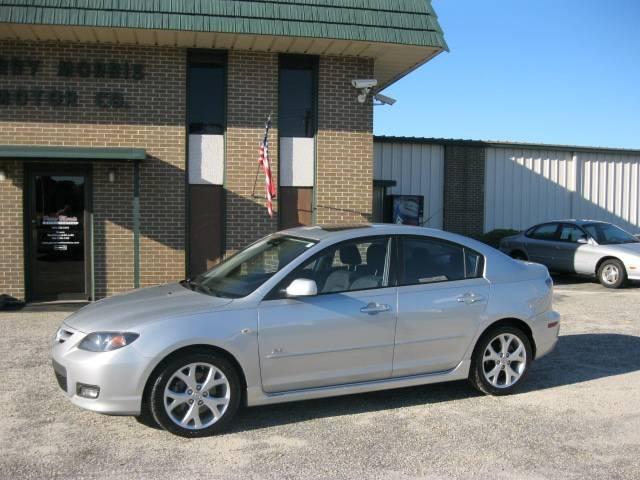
307 313
584 247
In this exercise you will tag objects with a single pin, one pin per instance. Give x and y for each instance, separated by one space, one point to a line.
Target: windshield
607 234
243 273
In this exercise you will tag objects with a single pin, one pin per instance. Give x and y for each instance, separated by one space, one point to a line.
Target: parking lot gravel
577 416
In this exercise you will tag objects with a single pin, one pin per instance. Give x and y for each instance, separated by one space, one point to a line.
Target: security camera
364 83
383 99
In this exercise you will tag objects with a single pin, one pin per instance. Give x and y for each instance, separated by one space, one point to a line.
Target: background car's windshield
247 270
607 234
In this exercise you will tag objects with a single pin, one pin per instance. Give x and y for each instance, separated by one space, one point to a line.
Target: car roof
334 233
572 220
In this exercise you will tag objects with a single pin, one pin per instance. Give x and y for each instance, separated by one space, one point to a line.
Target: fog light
87 391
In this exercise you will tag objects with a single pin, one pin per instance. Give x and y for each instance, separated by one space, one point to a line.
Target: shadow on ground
560 279
576 359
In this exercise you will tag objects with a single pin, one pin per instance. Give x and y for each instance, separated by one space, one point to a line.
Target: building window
206 98
297 98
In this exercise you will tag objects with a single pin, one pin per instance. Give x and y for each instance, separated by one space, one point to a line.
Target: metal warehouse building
473 187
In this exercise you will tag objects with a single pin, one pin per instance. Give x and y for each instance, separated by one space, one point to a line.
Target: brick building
129 131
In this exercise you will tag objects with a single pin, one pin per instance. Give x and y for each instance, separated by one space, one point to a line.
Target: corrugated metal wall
528 186
610 189
418 169
525 187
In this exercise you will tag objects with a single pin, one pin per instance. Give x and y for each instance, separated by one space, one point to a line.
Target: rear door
541 243
441 296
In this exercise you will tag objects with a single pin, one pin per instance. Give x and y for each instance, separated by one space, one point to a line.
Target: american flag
270 188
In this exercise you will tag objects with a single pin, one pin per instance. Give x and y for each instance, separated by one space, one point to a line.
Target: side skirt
255 395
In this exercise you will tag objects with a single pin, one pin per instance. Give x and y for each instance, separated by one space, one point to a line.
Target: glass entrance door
57 214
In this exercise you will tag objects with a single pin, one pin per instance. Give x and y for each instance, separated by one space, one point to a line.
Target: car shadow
569 279
566 279
576 359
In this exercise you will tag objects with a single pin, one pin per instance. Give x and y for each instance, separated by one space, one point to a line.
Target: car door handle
470 298
374 308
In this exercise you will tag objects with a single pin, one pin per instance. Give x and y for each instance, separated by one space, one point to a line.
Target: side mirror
302 287
583 241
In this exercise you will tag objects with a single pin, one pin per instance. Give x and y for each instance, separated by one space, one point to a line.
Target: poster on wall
408 209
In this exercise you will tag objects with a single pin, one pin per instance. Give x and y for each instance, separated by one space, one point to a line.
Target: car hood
128 311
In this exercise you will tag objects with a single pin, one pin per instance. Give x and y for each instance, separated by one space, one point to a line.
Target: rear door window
429 260
548 231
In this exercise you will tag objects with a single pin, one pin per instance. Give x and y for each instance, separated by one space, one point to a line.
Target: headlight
106 341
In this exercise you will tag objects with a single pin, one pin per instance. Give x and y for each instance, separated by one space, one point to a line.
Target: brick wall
11 233
153 120
252 94
344 144
464 189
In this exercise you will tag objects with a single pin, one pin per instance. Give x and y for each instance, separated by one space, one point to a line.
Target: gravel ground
577 416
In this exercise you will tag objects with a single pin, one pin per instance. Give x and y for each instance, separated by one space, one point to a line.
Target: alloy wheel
610 274
197 396
504 360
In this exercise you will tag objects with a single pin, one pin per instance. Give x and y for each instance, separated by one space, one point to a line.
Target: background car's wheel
195 395
500 360
518 255
612 273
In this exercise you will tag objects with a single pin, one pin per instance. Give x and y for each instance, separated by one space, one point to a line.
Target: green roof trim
71 153
406 22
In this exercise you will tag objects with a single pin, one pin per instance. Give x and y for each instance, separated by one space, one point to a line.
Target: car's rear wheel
500 360
195 395
612 273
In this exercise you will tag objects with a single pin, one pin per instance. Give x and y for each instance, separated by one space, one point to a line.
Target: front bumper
545 332
119 374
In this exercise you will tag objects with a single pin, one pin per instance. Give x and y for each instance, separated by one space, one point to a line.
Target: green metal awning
407 22
72 153
399 35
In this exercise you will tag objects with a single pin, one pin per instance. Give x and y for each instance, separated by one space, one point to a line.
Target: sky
548 71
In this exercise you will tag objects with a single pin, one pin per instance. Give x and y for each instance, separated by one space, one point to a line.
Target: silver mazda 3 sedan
306 313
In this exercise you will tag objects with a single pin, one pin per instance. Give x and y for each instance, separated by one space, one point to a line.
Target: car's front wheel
500 361
195 394
612 273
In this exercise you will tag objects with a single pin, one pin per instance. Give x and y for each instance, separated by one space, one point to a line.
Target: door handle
374 308
470 298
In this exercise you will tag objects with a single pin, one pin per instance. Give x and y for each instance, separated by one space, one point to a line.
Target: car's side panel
326 339
234 332
586 258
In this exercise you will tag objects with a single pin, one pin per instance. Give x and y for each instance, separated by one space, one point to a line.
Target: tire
612 274
182 404
484 364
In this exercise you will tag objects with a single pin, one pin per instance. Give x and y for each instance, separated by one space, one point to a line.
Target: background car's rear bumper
545 332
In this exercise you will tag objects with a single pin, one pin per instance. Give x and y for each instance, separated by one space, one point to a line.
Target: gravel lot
578 416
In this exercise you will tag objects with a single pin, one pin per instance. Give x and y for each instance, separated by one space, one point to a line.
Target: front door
345 334
57 247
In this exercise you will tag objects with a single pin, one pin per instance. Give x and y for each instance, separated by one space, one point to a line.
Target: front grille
61 375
